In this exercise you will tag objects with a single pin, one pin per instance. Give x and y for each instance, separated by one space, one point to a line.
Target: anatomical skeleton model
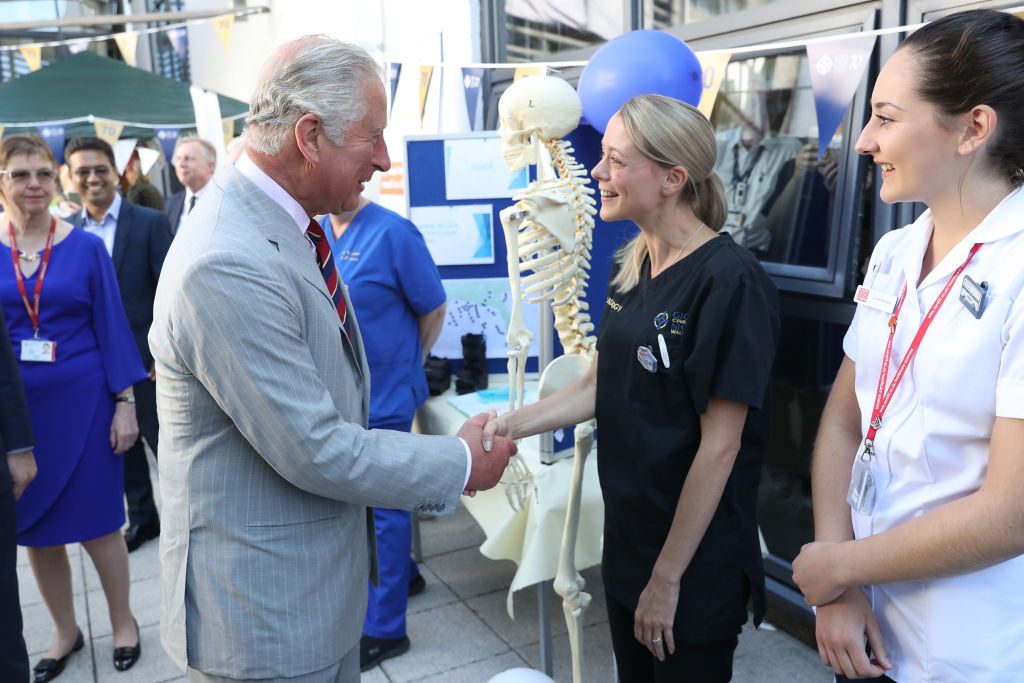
548 234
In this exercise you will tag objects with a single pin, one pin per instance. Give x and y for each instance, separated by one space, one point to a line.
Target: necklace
29 257
687 242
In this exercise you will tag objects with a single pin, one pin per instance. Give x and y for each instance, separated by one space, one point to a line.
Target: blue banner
54 137
168 138
395 71
472 79
837 67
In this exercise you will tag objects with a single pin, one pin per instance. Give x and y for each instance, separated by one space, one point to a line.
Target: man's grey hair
316 75
209 151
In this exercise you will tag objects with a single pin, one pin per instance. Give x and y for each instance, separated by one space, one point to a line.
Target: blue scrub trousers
385 610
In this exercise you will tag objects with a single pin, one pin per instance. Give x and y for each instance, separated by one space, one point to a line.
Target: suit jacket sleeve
240 331
15 428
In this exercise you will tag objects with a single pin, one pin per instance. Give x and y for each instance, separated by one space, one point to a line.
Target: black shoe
140 533
417 585
125 657
49 669
373 651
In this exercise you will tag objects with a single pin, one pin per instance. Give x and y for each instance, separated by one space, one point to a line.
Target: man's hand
23 471
124 429
488 466
815 572
841 628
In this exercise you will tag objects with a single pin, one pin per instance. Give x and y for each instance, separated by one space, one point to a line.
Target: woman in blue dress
78 361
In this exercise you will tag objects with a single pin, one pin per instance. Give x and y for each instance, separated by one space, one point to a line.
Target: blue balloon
638 63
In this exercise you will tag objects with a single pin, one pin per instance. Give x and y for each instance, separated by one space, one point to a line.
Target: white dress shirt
106 228
272 189
933 445
189 194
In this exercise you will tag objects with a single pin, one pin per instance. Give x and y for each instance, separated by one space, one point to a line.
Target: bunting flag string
221 22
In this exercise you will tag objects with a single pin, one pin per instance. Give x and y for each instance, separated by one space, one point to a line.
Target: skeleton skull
542 106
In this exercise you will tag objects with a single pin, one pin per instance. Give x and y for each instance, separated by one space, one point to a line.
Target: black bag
473 374
439 374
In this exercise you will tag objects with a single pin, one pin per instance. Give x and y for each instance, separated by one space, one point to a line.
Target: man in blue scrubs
398 298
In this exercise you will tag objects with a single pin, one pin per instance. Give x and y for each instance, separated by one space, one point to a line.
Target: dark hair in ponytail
971 58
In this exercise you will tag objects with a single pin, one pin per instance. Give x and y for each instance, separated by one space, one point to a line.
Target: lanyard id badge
34 350
38 350
863 492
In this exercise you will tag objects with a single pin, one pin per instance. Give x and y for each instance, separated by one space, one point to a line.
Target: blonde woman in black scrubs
686 344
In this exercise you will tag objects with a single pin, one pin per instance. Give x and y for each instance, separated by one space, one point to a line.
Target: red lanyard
33 309
883 395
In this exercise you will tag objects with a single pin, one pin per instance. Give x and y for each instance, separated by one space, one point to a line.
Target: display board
457 186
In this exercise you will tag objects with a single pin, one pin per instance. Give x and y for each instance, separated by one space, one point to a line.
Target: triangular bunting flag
472 79
713 69
532 70
224 26
394 71
176 37
837 67
123 151
76 46
168 138
126 43
54 137
228 126
147 157
33 55
426 73
108 130
2 128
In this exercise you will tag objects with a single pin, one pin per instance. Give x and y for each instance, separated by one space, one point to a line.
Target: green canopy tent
88 84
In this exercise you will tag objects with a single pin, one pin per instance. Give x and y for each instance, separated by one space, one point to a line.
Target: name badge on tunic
873 298
972 296
645 354
863 492
38 350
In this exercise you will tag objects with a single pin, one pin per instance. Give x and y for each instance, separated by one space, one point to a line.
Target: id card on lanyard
35 350
863 492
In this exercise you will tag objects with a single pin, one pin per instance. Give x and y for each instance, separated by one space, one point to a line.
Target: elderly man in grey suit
266 467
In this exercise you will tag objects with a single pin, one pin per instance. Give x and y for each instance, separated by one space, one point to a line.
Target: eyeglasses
22 176
84 172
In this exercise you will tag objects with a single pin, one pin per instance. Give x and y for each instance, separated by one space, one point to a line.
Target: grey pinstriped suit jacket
265 463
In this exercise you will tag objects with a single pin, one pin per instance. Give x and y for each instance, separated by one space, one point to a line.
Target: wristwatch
130 398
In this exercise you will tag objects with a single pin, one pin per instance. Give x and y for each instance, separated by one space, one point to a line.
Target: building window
659 14
537 29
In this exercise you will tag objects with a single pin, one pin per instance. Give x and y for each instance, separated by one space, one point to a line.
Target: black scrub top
717 311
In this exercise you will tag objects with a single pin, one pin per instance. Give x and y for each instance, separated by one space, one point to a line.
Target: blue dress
78 494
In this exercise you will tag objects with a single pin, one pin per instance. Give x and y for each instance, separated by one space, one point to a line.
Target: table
532 536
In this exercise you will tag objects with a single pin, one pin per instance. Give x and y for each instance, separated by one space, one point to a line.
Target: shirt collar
248 168
189 193
113 211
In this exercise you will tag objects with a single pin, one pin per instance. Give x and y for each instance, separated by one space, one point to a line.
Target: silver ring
655 640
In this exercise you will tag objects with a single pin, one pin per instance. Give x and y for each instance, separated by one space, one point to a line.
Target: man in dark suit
137 239
15 475
194 160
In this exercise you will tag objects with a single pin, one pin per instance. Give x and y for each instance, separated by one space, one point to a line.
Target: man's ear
307 137
675 181
979 127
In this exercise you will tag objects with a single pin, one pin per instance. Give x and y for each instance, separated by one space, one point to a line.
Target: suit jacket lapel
279 228
124 219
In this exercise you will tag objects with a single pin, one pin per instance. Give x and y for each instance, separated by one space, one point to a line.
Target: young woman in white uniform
934 582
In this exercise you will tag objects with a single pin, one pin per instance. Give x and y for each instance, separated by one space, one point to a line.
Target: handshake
490 449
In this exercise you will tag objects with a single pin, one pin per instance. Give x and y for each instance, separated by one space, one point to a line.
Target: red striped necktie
325 260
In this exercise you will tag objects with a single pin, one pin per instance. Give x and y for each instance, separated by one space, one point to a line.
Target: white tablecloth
531 537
